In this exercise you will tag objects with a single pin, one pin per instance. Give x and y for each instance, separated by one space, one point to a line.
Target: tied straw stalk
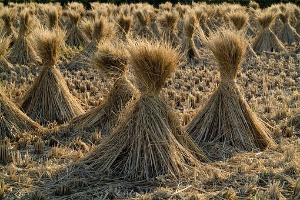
49 99
112 61
148 141
227 118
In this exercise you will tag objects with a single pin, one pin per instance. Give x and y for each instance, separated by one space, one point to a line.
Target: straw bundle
297 16
266 40
202 18
5 66
8 16
13 120
53 18
49 99
226 117
22 51
124 26
239 19
148 142
168 26
112 61
287 34
102 31
75 36
188 40
144 19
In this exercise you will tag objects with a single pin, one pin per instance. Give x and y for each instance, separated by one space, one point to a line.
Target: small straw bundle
148 142
53 18
124 26
144 19
5 66
49 99
202 19
188 45
75 36
8 16
227 118
12 119
287 34
112 61
103 32
22 51
168 25
266 40
239 19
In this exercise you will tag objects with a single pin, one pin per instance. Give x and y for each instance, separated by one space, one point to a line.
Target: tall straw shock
103 31
148 140
227 118
22 51
266 40
49 99
112 61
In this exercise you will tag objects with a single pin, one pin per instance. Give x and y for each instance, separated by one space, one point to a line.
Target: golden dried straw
148 141
227 118
49 99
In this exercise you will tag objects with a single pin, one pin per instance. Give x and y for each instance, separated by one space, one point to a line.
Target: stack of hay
288 34
144 19
53 18
49 99
8 16
239 19
22 51
5 66
112 61
266 40
102 32
124 26
75 36
13 120
227 118
148 142
188 45
168 25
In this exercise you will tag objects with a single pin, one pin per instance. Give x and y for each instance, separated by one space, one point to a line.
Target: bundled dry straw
266 40
8 16
287 34
103 31
227 118
5 66
148 142
188 40
13 120
112 61
53 18
168 25
75 36
144 19
124 26
49 99
22 51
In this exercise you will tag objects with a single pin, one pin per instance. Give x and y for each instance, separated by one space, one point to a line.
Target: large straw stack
49 99
168 25
148 142
75 36
12 119
112 61
287 34
266 40
22 51
226 117
188 44
103 31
